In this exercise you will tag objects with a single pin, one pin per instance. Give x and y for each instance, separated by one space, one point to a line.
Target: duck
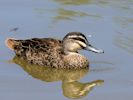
52 52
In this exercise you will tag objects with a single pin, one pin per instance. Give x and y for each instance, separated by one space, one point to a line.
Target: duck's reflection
77 89
72 88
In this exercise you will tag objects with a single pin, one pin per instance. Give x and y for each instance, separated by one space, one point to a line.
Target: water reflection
124 22
76 89
125 42
14 29
114 3
71 87
63 14
73 2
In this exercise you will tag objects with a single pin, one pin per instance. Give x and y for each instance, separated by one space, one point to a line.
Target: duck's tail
10 43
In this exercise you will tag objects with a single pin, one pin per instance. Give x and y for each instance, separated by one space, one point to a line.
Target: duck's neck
74 59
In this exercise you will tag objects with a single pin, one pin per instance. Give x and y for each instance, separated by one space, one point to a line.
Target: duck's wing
34 45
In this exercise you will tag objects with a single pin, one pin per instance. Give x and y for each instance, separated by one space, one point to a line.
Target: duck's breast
76 61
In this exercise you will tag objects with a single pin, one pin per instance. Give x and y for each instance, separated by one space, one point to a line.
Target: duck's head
75 41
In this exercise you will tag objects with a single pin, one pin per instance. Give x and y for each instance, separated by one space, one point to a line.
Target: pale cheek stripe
82 44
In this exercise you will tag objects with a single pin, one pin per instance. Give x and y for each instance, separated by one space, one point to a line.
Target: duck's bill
93 49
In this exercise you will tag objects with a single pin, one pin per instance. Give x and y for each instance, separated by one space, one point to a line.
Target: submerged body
52 52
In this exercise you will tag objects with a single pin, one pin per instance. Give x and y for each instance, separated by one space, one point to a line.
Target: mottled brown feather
49 52
10 43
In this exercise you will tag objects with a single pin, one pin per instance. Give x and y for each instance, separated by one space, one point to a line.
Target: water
108 22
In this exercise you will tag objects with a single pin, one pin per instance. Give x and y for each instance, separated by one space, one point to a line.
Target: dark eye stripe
82 36
79 39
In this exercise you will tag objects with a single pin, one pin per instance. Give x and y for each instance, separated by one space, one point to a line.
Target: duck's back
42 51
